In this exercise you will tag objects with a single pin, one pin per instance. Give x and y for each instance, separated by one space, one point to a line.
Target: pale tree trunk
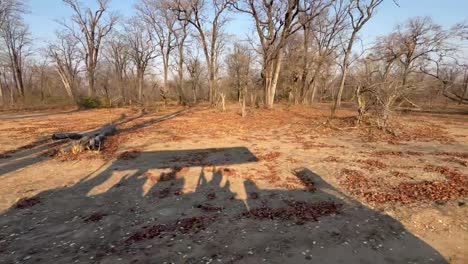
385 115
66 84
140 75
272 80
194 89
180 82
2 99
165 84
243 112
181 46
305 67
223 100
20 82
41 85
91 81
337 102
211 85
11 92
364 11
12 96
267 75
3 88
314 91
361 105
313 81
344 74
122 89
17 76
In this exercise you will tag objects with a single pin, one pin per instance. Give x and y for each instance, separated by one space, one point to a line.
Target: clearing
201 186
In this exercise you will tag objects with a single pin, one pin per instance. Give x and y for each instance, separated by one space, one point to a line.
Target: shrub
89 102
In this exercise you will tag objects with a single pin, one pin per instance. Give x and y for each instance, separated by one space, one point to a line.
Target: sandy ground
204 186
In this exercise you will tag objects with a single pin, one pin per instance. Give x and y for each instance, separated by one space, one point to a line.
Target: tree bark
140 85
305 66
180 76
66 83
165 78
272 80
344 73
91 82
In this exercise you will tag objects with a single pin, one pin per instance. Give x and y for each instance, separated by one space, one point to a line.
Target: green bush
89 102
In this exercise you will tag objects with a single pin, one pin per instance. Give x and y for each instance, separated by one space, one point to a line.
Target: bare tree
239 64
181 34
117 54
67 58
326 32
142 50
312 9
16 36
417 40
407 50
195 71
275 22
40 72
209 28
394 66
461 30
94 26
6 88
162 20
10 10
452 76
359 12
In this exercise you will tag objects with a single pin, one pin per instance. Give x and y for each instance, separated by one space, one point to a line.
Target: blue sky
43 14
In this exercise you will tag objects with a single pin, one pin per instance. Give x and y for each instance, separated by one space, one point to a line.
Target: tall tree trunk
272 80
211 86
2 98
243 94
344 74
20 81
361 105
66 84
41 85
180 75
140 85
194 90
17 76
337 102
5 85
314 91
313 82
122 88
165 77
305 66
91 83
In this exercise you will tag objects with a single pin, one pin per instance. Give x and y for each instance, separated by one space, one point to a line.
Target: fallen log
90 141
74 136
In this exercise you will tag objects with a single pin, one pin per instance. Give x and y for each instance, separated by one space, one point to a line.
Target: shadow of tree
132 211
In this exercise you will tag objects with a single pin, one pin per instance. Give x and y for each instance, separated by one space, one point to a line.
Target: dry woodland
160 138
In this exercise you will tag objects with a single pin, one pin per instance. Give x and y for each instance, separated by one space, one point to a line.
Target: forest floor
205 186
